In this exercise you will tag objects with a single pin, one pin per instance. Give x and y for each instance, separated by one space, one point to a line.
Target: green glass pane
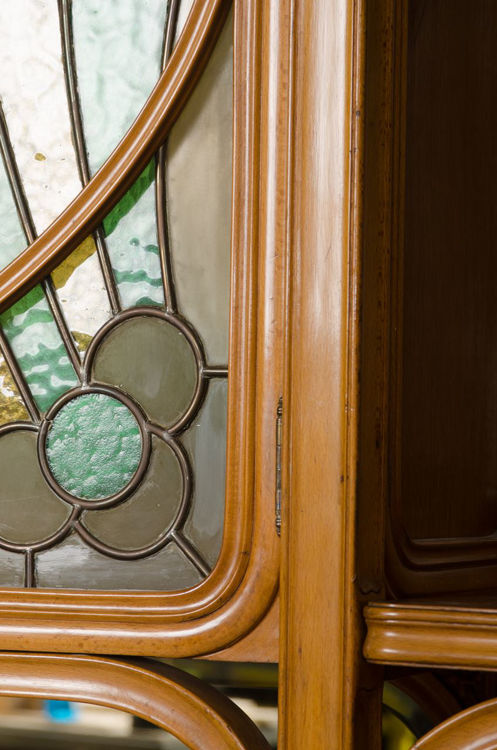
131 237
144 517
12 239
205 442
94 446
152 361
40 351
118 47
72 564
29 511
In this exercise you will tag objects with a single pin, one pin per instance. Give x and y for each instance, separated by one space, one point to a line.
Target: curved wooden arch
194 712
473 729
128 159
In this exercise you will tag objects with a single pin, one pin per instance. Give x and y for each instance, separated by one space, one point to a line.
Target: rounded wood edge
126 162
429 636
194 712
473 729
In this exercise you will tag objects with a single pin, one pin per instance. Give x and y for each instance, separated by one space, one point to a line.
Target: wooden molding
320 684
431 635
475 728
194 712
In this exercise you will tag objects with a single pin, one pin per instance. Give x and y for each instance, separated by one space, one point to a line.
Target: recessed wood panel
447 447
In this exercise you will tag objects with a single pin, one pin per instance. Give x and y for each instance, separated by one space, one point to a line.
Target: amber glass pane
12 407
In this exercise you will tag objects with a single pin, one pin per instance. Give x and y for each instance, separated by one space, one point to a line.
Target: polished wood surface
473 729
195 713
432 635
320 686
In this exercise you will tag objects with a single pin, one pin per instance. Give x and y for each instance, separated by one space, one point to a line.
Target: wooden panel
448 442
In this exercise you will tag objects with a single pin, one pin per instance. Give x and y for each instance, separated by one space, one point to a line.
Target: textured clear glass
205 442
12 239
118 48
33 94
82 294
199 200
40 352
75 565
131 237
185 7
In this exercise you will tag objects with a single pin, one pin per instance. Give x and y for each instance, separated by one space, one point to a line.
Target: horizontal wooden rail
432 635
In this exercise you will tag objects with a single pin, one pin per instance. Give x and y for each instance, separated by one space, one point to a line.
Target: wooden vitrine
292 369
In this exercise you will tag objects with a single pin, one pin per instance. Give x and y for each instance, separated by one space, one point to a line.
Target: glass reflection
28 723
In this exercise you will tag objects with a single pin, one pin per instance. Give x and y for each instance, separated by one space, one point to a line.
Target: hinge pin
279 417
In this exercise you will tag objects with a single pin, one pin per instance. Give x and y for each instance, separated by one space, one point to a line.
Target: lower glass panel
74 565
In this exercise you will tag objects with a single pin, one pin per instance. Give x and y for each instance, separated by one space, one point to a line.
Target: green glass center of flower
94 446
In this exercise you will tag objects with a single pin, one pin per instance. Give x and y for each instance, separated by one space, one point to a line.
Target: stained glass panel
114 364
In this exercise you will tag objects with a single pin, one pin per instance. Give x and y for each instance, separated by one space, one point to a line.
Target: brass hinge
277 504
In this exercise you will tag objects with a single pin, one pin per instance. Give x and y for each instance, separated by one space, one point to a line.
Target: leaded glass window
113 376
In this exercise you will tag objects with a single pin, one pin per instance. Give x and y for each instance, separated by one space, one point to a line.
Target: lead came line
28 226
19 379
160 177
70 76
191 553
29 569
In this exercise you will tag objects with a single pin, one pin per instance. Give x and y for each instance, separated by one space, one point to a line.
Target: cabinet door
141 327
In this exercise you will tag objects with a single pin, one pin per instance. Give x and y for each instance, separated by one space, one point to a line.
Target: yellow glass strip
11 404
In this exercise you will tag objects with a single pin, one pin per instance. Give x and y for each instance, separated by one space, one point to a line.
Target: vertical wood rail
321 629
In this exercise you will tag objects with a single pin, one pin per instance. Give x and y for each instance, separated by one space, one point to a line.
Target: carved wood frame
243 585
192 711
